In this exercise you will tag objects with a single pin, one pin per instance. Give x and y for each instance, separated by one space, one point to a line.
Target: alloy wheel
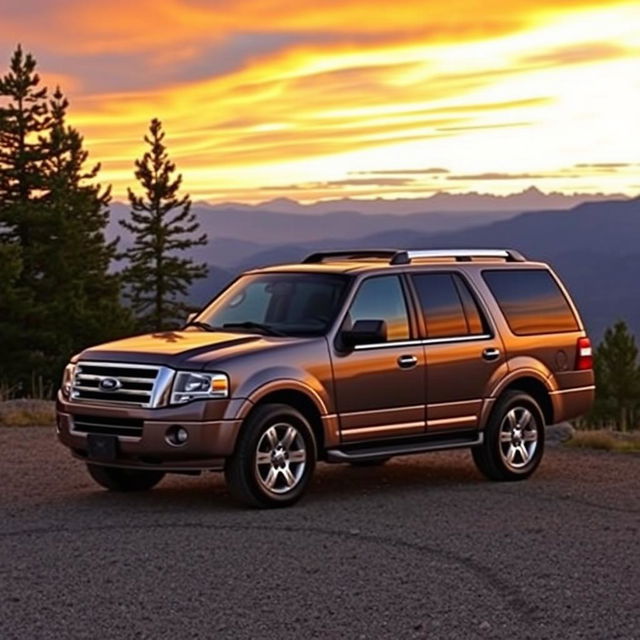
281 458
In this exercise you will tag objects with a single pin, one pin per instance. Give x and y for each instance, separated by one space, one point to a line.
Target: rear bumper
210 440
572 403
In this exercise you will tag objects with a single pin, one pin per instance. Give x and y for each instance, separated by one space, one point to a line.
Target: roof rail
461 255
354 254
405 257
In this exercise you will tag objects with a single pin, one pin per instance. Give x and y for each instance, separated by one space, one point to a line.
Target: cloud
405 172
577 54
499 176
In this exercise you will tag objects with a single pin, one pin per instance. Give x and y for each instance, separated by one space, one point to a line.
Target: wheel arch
302 399
537 389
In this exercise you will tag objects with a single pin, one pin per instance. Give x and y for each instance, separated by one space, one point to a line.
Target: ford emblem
109 384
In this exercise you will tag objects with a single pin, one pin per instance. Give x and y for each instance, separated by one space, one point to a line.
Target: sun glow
350 98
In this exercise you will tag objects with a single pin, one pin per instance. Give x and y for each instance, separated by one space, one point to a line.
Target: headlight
67 379
197 386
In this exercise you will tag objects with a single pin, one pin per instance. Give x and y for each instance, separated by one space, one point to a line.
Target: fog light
177 435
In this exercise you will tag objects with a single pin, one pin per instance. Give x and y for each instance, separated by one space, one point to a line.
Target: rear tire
274 459
513 439
124 480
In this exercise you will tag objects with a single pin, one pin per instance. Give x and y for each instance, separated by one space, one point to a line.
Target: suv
350 356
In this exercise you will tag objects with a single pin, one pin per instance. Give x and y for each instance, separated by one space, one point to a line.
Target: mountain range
593 245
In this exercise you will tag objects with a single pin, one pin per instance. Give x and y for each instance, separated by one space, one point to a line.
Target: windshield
277 304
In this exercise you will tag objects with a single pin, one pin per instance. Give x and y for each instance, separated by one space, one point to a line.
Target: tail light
584 354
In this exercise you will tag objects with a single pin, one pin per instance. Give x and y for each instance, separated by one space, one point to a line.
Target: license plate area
100 447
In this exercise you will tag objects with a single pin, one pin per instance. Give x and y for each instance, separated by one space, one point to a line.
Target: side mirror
191 317
365 332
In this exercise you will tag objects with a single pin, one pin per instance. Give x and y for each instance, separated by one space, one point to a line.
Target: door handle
407 362
491 354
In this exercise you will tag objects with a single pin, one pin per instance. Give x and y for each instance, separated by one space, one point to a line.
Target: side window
381 298
531 300
448 307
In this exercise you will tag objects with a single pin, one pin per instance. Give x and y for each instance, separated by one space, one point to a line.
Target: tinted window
531 301
292 303
448 306
381 299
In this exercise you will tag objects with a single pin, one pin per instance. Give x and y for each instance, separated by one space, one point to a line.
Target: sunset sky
315 100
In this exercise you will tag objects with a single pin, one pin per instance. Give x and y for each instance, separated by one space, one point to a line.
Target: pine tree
24 118
83 297
59 296
617 378
11 338
158 275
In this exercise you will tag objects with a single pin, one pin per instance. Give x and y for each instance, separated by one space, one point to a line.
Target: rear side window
448 307
531 301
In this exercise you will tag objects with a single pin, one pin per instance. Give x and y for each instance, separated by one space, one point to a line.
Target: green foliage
158 275
617 380
59 296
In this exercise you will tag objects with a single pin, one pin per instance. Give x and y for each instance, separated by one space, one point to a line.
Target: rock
558 433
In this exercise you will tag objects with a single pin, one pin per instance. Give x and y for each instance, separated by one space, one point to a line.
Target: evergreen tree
164 228
24 118
11 339
83 299
617 379
57 296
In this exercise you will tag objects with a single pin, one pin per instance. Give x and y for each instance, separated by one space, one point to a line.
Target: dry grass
27 413
605 440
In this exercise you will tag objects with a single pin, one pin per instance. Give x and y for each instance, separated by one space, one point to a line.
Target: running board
389 450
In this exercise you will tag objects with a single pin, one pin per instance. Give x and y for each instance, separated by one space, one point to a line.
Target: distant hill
442 202
594 246
281 221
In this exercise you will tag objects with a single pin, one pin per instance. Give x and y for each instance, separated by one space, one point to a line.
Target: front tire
513 439
274 459
124 480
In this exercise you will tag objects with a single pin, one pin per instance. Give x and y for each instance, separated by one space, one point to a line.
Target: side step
360 453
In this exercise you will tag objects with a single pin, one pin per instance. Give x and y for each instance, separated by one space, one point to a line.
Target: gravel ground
421 548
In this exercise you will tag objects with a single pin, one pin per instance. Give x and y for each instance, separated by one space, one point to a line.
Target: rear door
380 387
461 348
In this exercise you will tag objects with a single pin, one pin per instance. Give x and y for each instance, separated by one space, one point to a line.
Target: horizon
530 190
348 100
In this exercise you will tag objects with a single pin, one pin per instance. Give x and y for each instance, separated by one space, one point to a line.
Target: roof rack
460 255
396 257
354 254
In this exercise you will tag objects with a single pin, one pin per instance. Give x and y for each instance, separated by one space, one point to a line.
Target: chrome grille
103 425
120 383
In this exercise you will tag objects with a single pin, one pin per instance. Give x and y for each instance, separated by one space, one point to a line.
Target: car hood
191 349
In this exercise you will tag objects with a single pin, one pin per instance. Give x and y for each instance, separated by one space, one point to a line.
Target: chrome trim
384 427
443 421
388 345
460 253
591 387
157 393
426 341
483 336
450 404
388 410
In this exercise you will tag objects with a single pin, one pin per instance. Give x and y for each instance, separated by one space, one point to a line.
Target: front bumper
212 434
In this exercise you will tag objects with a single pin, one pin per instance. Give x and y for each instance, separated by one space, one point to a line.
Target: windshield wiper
201 325
257 326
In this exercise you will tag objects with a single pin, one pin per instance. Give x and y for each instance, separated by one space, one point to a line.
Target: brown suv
351 356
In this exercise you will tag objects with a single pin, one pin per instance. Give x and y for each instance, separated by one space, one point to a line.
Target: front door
462 352
380 388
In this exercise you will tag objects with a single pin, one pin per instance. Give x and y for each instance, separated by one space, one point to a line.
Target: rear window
531 301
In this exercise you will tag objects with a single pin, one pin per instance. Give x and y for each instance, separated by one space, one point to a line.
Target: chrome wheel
518 438
281 458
